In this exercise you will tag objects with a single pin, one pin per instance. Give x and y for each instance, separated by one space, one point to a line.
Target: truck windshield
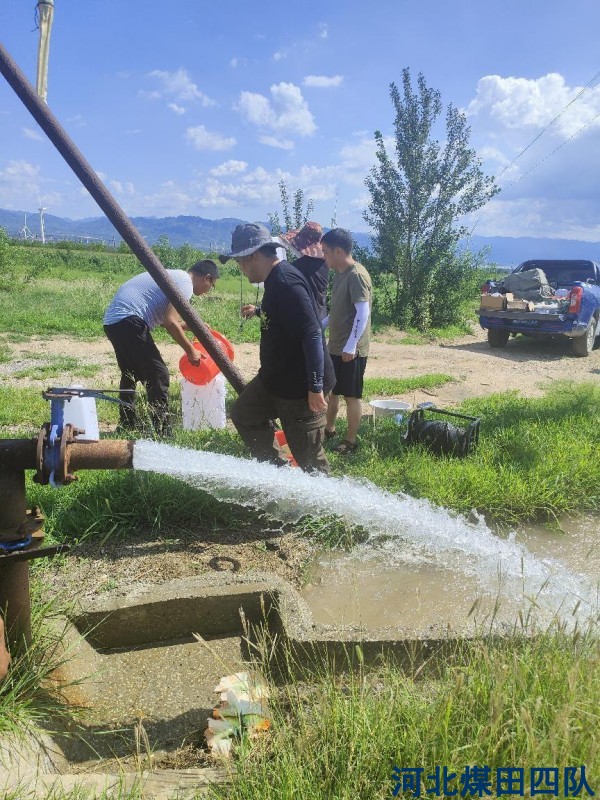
562 272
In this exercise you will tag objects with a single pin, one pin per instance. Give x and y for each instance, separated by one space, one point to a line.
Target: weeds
522 702
29 697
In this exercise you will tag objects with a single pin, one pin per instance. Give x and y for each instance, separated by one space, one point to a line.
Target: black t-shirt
316 272
293 351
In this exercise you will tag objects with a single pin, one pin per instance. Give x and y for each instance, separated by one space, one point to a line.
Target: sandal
346 448
330 434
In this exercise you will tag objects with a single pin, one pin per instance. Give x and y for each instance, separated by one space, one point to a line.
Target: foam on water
412 528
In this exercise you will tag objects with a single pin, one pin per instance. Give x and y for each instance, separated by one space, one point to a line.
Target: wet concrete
144 682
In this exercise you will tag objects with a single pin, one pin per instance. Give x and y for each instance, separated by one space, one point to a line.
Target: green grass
537 458
58 365
28 700
374 387
65 292
522 703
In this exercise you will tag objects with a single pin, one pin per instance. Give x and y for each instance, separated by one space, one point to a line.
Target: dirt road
525 365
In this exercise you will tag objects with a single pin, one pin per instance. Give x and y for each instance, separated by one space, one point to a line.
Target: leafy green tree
418 195
295 214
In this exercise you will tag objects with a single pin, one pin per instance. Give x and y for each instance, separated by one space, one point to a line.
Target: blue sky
190 107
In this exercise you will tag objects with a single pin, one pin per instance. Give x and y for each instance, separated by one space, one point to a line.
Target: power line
543 131
541 161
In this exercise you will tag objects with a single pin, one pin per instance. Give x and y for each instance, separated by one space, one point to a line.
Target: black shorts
349 376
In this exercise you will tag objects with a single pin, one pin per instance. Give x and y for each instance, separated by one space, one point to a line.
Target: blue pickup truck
577 315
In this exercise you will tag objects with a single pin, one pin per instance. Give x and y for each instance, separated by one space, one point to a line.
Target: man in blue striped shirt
137 308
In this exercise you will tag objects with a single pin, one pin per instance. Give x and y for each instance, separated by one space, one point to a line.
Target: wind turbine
41 209
25 232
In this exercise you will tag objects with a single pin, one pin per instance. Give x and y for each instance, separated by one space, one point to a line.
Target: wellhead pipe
88 177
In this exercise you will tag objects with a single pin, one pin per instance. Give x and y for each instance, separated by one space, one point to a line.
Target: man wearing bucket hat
295 369
137 308
305 244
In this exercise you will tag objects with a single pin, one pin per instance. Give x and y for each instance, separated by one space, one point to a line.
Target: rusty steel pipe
15 603
13 503
17 454
88 177
106 454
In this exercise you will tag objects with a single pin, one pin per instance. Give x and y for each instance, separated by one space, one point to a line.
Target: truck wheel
497 337
583 345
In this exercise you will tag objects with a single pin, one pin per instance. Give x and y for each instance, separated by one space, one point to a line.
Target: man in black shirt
305 245
295 369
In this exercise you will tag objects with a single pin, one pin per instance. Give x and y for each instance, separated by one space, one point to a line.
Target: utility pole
45 15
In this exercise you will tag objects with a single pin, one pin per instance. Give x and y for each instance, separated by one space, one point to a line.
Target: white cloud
279 55
236 62
286 111
358 158
177 87
31 133
202 139
132 131
231 167
548 188
323 30
127 188
530 104
176 109
275 141
21 185
323 81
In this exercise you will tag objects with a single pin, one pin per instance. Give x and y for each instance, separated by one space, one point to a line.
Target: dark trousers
139 360
252 413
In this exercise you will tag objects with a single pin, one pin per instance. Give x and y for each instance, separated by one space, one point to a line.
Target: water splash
412 528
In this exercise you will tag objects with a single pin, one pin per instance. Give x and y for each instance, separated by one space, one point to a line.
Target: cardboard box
491 302
520 305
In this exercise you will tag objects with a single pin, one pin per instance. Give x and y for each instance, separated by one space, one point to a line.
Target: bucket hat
247 238
306 240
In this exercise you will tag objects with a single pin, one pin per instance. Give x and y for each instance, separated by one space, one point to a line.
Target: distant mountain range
215 235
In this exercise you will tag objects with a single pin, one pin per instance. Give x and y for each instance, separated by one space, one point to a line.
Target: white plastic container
389 408
203 406
81 412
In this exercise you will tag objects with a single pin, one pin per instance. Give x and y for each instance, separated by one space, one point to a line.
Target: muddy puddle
399 587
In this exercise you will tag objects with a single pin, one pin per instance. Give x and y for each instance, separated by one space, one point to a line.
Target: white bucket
81 412
389 408
203 406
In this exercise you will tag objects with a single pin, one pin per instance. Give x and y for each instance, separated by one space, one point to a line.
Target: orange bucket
282 442
206 369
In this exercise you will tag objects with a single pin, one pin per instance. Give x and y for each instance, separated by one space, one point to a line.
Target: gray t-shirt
141 297
353 285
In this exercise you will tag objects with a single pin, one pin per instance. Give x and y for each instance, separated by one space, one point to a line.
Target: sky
197 108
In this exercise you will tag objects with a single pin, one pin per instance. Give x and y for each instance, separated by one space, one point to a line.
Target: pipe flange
42 440
68 437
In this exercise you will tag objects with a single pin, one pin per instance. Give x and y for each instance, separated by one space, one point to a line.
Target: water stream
403 531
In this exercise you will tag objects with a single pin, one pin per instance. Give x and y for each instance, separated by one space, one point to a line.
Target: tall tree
294 215
418 196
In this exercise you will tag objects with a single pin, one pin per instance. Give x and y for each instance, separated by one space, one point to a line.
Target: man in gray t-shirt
137 308
349 324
